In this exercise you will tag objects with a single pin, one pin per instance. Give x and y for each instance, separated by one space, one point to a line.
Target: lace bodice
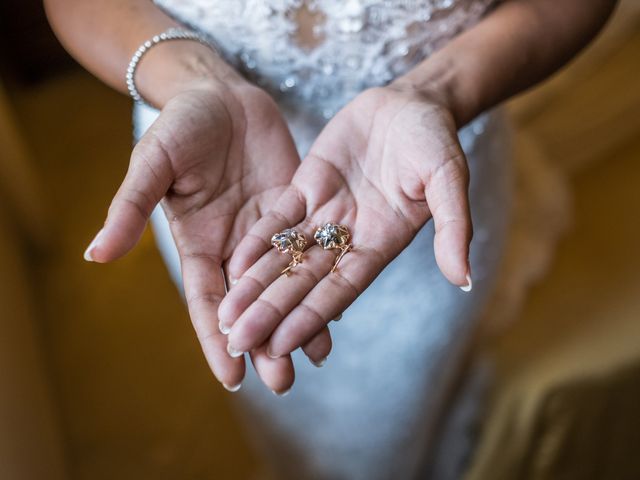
318 54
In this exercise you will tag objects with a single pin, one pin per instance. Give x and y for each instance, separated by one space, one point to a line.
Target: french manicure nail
223 328
232 388
233 352
281 394
468 286
271 355
88 253
319 363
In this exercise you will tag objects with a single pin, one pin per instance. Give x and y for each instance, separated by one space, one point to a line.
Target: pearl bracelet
170 34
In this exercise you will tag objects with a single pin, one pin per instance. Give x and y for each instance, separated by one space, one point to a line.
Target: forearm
516 46
103 35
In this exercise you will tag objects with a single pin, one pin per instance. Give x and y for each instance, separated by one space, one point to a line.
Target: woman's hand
217 158
387 163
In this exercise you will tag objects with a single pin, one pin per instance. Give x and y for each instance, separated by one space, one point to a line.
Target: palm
205 157
382 166
370 169
224 177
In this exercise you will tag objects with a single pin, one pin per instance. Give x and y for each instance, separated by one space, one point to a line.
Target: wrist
438 81
173 67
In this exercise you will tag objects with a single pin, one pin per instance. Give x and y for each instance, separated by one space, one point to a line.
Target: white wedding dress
374 410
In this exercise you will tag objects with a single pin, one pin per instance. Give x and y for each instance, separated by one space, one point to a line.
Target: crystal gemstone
332 235
289 240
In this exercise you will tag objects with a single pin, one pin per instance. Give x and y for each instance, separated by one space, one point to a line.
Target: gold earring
332 236
292 242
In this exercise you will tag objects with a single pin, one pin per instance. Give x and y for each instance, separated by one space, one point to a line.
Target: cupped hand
383 166
217 158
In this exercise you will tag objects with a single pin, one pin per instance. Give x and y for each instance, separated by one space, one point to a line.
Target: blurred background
101 376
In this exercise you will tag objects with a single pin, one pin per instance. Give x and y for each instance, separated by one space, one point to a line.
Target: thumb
447 197
147 180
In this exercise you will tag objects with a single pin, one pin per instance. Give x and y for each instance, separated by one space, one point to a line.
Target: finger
147 180
249 287
327 300
257 322
276 373
265 270
204 288
447 197
289 210
318 348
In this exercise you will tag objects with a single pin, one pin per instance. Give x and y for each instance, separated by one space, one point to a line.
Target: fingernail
233 281
338 318
468 286
319 363
271 355
232 388
223 329
88 253
281 394
233 352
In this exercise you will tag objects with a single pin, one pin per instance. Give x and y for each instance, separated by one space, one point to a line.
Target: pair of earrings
330 236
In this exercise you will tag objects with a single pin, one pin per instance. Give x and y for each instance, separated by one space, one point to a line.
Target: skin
383 166
216 159
389 162
399 165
